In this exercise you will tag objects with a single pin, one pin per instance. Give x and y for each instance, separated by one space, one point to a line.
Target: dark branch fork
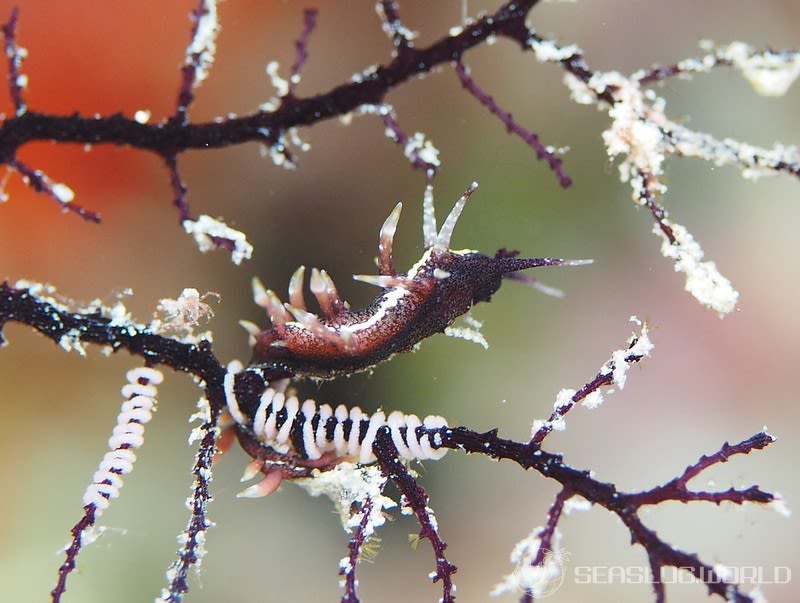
55 321
172 136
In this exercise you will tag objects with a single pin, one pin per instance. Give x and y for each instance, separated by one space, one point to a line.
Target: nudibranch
289 438
443 285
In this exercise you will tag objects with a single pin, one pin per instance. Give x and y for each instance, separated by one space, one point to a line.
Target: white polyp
308 410
134 389
270 428
114 479
412 422
325 412
432 422
291 405
339 443
396 421
260 417
355 431
359 444
234 367
376 422
127 434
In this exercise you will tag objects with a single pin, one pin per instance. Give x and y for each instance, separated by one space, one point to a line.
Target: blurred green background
710 380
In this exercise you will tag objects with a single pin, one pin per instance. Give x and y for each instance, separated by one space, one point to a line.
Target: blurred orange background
709 380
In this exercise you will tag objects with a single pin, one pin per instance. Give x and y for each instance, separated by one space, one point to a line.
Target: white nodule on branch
639 346
280 84
201 50
548 51
350 484
62 192
576 503
142 116
206 227
540 579
703 280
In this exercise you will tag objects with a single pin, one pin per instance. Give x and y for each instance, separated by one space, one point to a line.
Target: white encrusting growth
205 228
548 51
556 422
619 364
136 411
639 346
349 486
540 579
420 147
770 73
703 280
178 318
643 135
203 47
